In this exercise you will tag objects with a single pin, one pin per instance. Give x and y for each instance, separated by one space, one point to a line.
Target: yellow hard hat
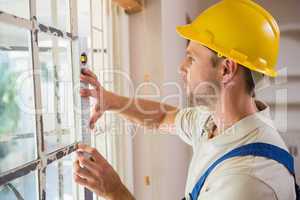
240 30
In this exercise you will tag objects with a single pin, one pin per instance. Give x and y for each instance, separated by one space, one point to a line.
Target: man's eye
191 59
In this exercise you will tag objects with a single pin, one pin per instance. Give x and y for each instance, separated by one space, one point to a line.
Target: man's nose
184 65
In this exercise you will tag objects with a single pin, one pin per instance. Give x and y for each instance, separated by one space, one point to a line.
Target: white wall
156 51
145 58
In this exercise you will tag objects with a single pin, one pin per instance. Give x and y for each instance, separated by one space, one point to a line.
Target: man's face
199 74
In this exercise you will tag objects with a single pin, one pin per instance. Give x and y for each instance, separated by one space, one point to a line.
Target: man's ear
229 69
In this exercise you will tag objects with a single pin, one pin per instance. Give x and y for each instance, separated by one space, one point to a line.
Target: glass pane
57 91
54 13
17 116
84 19
59 181
19 8
24 187
97 13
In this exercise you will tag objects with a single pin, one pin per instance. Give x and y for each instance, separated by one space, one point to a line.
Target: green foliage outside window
9 110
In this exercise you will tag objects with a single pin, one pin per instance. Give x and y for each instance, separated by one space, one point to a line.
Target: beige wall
156 51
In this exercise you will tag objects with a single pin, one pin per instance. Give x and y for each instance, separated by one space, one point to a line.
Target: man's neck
232 108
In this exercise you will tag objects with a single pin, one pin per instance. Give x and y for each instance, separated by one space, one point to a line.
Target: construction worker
238 153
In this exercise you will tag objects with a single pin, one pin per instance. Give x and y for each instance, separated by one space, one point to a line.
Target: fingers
90 80
85 92
92 151
88 72
97 112
82 172
95 116
91 166
80 180
88 92
84 182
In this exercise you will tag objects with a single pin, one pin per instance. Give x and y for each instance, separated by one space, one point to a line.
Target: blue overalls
255 149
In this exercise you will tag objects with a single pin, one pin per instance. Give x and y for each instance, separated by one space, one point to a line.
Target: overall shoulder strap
256 149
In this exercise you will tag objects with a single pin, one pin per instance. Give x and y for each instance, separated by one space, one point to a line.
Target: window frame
106 51
44 159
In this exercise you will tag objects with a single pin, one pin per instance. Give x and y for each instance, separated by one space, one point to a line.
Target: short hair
250 85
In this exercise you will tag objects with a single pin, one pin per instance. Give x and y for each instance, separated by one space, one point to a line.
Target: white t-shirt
239 178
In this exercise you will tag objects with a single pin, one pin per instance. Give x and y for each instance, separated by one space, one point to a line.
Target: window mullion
57 99
38 102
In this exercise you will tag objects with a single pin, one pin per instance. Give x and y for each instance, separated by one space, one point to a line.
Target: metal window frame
43 159
38 164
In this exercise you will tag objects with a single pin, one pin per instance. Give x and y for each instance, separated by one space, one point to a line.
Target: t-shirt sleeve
189 123
237 186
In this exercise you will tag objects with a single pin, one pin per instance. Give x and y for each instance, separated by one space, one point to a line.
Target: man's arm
143 112
148 113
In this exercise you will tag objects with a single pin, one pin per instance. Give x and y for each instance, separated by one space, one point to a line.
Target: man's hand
98 92
96 174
